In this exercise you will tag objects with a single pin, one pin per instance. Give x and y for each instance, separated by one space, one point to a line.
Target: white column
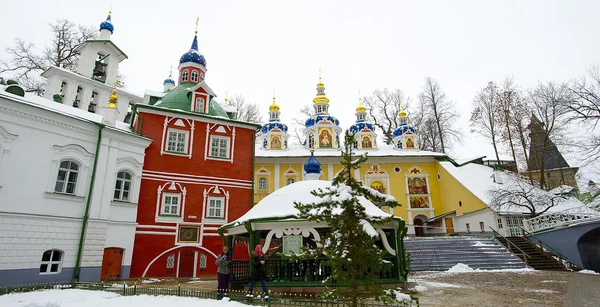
277 176
86 96
52 86
330 171
71 93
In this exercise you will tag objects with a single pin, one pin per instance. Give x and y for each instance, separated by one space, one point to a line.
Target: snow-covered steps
440 254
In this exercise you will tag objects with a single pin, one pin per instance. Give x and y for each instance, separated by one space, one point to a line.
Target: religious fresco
378 186
417 185
292 245
419 202
188 234
366 141
325 138
375 170
275 142
410 143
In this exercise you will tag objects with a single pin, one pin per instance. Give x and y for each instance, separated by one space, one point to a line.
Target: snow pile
481 244
400 297
78 298
460 268
420 288
589 272
150 280
463 268
368 228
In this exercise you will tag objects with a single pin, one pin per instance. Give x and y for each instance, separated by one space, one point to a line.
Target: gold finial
226 99
361 108
171 71
112 100
110 11
197 18
274 107
402 112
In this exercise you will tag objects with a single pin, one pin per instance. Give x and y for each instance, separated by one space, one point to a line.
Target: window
194 76
290 181
219 147
177 141
265 143
481 227
262 184
215 207
67 177
122 186
200 104
184 75
311 140
468 227
202 261
499 223
400 144
170 204
93 102
171 261
51 262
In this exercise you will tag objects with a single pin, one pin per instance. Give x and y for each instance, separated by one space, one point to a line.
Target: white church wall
485 216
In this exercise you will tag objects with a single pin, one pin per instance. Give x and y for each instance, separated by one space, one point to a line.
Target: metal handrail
510 243
542 244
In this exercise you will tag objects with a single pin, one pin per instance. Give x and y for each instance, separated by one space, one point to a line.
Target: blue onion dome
403 129
311 121
274 125
361 126
193 55
107 24
312 166
169 80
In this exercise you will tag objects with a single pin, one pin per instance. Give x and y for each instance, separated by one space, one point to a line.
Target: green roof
225 118
180 98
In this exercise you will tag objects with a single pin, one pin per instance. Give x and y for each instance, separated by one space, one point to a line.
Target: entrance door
418 224
449 225
111 263
186 263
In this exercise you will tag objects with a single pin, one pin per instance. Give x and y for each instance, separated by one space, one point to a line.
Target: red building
197 175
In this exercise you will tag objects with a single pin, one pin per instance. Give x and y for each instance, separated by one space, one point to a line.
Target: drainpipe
87 205
253 162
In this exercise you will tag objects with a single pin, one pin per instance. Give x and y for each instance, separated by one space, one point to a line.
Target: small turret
106 28
169 83
312 168
110 111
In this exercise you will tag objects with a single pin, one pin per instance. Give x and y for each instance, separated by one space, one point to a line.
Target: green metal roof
180 98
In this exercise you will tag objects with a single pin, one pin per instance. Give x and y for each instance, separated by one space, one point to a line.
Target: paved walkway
583 291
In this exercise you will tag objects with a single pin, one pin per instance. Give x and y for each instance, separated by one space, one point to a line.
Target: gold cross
197 18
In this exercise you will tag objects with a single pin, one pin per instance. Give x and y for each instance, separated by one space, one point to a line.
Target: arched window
265 143
200 104
171 261
122 186
66 180
290 181
202 261
194 76
262 184
311 140
399 144
184 76
51 262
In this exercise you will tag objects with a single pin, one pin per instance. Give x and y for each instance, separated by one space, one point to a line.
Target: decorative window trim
77 154
208 144
165 136
122 189
133 166
222 206
422 174
290 173
290 180
215 192
6 139
50 262
184 75
202 110
266 187
170 187
194 76
162 204
227 147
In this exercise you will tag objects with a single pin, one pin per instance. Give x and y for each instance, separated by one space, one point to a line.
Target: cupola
312 168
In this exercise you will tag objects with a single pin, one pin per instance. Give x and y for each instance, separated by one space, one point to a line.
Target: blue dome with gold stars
274 125
193 55
361 126
107 25
404 129
312 166
311 121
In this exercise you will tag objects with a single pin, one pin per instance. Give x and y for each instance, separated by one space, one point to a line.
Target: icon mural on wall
275 142
410 143
188 234
378 186
325 139
417 185
292 245
419 202
366 142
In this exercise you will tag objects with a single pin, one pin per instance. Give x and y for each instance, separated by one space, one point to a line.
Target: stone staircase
442 253
538 258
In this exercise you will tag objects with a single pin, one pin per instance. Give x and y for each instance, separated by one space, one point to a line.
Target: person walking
222 263
258 272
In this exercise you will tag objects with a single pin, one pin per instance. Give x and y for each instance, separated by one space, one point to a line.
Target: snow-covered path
79 298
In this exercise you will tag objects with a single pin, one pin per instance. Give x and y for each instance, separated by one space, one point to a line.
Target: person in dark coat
222 263
258 271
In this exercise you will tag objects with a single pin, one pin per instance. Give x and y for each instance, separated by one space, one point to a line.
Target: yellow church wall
454 195
284 176
260 194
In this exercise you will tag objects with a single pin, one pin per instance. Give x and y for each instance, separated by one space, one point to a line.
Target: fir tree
350 245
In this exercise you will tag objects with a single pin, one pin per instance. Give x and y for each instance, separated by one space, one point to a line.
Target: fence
275 299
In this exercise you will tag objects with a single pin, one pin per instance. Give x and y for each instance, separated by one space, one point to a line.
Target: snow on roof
154 93
383 151
56 107
107 86
280 203
468 159
563 189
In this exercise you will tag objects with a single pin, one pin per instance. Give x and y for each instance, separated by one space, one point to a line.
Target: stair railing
510 245
526 234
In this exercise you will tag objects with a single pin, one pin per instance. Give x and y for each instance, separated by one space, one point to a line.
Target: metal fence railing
275 299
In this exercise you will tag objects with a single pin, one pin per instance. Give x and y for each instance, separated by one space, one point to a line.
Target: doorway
186 263
449 225
418 225
111 263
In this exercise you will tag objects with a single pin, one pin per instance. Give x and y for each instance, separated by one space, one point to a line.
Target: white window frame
186 141
162 206
287 181
69 171
201 109
185 75
227 147
122 188
194 76
170 187
75 153
221 200
260 181
50 262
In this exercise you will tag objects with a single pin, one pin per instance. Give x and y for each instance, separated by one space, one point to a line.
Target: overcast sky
255 47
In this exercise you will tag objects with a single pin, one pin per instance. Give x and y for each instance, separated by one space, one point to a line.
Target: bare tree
26 65
549 102
585 108
298 123
518 120
517 194
246 111
383 107
442 111
484 117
